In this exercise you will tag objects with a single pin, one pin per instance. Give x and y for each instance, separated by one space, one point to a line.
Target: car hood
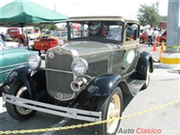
12 50
89 47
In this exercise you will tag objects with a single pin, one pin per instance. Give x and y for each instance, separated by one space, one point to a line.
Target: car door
2 68
131 51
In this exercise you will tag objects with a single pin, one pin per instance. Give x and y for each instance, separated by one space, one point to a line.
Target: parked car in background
45 34
86 78
143 37
14 33
60 35
162 38
10 58
33 35
44 44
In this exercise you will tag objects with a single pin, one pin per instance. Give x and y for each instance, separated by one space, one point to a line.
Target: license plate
42 51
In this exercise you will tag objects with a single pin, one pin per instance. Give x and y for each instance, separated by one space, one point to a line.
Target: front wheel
141 41
18 89
111 107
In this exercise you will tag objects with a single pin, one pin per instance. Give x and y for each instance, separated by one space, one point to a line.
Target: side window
131 34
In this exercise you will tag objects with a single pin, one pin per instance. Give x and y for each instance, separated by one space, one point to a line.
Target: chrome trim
74 53
68 72
59 98
53 109
5 71
13 65
81 60
92 53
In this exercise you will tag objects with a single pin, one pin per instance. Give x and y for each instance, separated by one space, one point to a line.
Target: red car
162 38
14 33
144 38
44 44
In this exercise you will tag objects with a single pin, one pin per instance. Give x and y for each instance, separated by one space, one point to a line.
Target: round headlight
34 61
79 66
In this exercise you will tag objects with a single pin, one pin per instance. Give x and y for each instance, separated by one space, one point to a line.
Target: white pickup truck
32 35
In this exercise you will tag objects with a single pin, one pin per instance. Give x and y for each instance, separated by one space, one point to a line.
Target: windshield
3 45
109 30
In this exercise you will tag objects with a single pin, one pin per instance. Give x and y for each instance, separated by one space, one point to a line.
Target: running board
135 86
53 109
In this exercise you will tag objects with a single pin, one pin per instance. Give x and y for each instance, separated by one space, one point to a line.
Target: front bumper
53 109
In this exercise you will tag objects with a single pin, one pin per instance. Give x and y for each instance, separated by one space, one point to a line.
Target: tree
148 15
50 26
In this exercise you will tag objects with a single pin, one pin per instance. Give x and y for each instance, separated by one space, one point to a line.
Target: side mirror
134 26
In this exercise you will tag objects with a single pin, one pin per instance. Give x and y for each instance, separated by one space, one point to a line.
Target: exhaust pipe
76 86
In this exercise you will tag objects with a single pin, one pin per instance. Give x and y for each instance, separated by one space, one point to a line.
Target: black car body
85 78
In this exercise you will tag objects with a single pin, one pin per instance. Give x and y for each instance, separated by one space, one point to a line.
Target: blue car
9 59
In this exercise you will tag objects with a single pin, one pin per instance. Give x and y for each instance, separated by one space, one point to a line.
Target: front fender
103 85
33 83
98 87
19 73
141 68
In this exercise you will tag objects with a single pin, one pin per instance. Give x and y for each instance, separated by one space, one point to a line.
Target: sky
97 7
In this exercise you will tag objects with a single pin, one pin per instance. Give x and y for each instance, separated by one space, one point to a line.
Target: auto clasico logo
140 131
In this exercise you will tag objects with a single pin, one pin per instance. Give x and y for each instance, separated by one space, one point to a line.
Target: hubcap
113 112
23 94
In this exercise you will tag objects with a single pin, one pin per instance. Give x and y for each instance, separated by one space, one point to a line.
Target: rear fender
141 68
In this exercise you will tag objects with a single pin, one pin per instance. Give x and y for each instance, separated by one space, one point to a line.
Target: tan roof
102 18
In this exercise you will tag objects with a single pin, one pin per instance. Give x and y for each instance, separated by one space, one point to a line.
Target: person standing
149 34
155 35
21 43
8 38
82 31
93 29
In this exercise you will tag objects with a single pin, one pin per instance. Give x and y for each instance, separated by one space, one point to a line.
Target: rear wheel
18 89
111 107
141 40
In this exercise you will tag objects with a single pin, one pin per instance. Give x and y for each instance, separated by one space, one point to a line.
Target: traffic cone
154 47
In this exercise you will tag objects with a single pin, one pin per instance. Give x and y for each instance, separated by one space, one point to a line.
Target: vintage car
84 79
10 58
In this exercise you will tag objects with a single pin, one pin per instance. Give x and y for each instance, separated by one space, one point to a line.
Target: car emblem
58 50
60 95
51 55
41 44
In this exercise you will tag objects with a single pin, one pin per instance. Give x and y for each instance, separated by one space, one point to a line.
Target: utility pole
55 7
171 57
157 4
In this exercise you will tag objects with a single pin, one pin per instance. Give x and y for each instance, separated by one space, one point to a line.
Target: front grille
58 83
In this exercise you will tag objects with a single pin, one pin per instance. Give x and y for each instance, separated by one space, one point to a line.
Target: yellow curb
170 60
